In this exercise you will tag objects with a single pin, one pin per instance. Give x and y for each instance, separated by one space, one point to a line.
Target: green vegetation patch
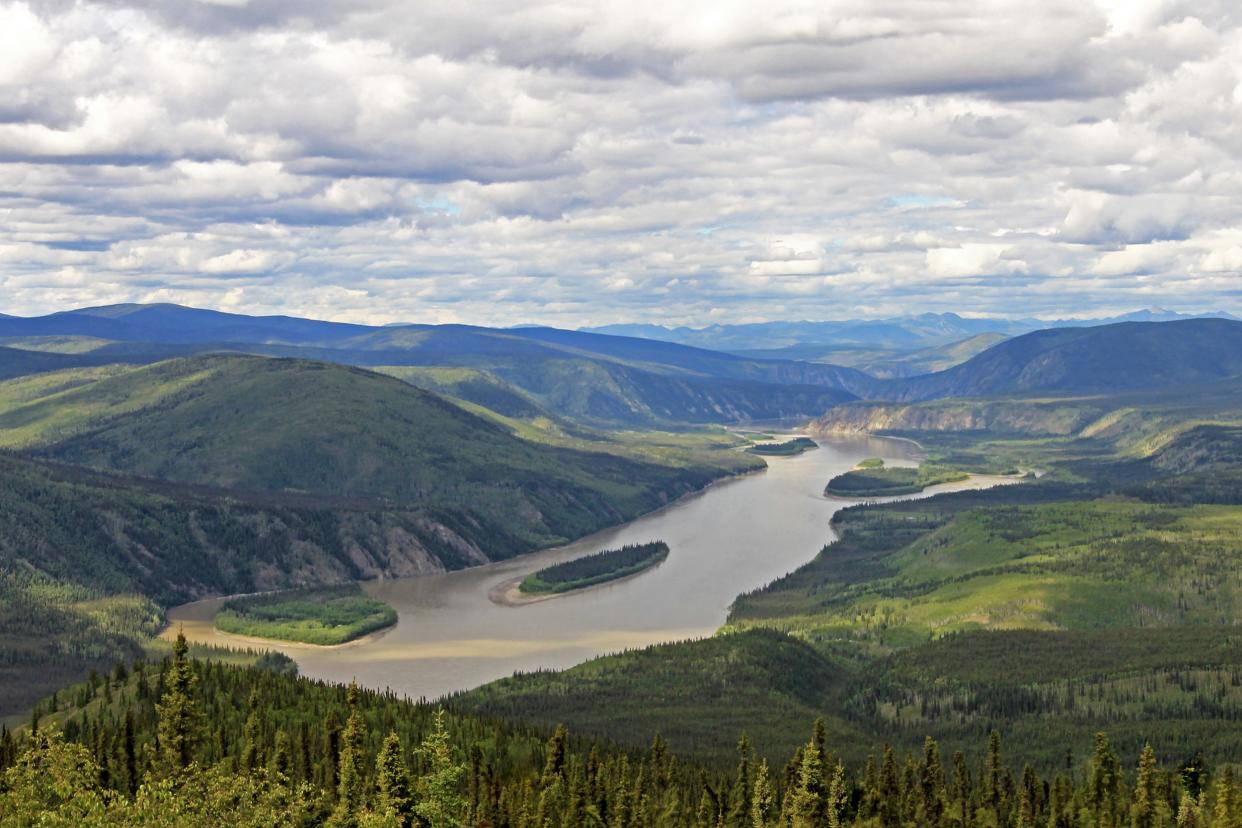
878 481
789 448
311 616
595 569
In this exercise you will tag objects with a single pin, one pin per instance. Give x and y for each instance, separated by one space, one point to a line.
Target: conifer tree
252 734
838 797
962 809
869 806
1027 799
993 768
392 778
351 778
931 785
762 798
178 713
1188 812
127 756
739 805
890 790
1143 809
810 801
1223 815
619 813
1105 784
438 804
330 752
1061 803
282 755
554 765
705 816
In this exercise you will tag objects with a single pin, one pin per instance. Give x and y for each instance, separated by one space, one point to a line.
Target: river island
871 478
326 616
609 565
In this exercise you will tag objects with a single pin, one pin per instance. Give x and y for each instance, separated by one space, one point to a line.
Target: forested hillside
135 488
256 424
137 749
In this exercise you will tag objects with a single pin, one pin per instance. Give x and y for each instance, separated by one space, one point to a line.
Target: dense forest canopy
188 742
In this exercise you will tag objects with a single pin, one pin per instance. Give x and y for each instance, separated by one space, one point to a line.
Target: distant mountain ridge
593 377
1117 357
896 333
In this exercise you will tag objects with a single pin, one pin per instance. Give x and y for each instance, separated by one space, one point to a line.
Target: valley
402 505
598 415
723 541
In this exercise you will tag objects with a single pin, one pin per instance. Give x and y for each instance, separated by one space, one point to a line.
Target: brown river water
733 537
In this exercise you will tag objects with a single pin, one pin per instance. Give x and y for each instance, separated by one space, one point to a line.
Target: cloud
587 162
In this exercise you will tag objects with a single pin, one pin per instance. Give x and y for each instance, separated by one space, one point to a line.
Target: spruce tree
1105 784
393 781
252 735
282 755
810 801
739 802
1143 809
178 714
1223 815
554 765
993 769
1188 812
890 790
439 804
838 797
762 798
351 780
931 785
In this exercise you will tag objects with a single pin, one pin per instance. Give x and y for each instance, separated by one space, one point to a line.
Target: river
736 535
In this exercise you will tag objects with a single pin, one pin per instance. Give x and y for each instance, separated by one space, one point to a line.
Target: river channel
731 538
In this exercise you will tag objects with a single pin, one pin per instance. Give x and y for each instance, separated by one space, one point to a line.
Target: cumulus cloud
586 162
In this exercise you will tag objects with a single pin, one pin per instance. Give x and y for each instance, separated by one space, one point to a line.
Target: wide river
735 536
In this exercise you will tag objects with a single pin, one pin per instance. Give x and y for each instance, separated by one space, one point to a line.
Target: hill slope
1129 355
256 424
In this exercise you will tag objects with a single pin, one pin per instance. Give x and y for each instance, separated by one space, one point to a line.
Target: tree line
170 744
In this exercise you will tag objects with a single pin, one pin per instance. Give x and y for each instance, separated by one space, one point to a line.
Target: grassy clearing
599 568
326 616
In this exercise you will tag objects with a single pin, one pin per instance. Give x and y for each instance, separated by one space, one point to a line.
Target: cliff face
1018 417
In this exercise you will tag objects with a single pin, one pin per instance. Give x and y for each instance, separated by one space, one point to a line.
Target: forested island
599 568
326 616
873 479
789 448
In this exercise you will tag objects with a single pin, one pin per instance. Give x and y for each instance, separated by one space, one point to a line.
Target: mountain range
804 340
592 378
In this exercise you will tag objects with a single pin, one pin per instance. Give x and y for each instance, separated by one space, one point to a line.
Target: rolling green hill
697 694
256 424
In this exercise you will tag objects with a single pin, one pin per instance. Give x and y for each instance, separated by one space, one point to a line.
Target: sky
573 163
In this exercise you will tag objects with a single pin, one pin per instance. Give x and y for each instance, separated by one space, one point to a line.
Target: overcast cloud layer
585 163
